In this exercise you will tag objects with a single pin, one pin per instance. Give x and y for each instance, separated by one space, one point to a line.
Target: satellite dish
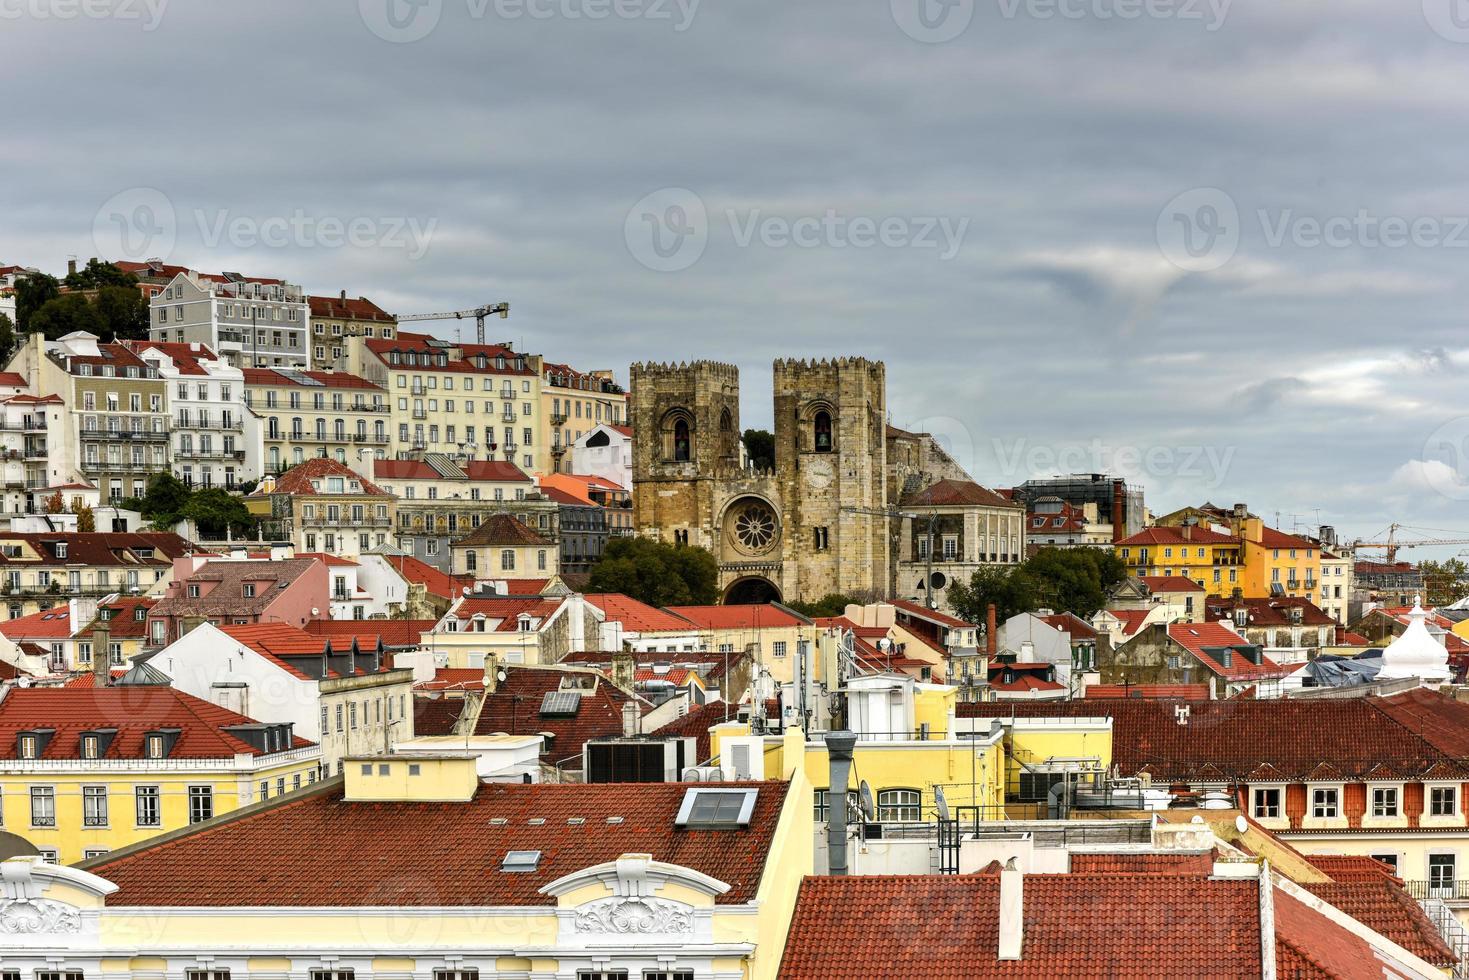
691 775
1241 824
500 675
315 611
465 590
864 801
943 804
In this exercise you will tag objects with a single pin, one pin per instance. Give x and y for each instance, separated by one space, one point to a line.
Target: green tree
32 293
7 336
163 503
1073 579
215 510
657 573
760 445
1009 590
66 314
86 520
834 604
96 274
1444 582
123 311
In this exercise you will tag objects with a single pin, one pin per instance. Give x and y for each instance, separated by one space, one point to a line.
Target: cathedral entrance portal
750 592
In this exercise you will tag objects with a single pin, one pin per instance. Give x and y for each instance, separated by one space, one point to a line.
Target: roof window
521 862
716 809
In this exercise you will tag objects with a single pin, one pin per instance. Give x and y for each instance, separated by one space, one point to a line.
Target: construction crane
479 313
1393 543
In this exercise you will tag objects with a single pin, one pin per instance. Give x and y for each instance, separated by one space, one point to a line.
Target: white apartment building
215 440
604 451
252 322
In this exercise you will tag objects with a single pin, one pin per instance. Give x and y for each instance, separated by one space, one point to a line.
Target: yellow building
481 401
503 547
306 414
1211 559
1277 563
334 319
88 770
652 880
572 404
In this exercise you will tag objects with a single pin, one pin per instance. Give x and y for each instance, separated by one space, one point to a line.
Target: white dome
1416 653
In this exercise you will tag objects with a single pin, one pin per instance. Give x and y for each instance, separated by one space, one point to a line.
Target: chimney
344 295
839 747
991 641
1012 911
630 719
71 266
492 673
1119 522
624 670
101 653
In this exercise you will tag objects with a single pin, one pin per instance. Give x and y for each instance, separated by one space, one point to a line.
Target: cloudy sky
1218 246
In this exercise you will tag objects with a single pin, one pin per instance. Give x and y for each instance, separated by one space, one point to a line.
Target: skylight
560 704
716 809
520 862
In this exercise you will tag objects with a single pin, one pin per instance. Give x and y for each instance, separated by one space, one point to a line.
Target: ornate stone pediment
27 916
634 916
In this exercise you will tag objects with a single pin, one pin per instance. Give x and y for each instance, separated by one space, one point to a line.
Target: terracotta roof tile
502 530
737 617
515 709
273 856
638 617
297 480
958 493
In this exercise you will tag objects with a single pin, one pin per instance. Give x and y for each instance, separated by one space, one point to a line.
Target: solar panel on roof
560 703
299 378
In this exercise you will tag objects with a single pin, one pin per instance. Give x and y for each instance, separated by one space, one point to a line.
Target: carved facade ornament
634 916
37 915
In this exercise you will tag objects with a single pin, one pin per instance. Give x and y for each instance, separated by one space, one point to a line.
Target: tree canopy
657 573
1062 579
760 445
104 301
1444 582
833 604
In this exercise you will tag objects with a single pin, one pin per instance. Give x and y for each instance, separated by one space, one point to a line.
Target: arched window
895 805
821 427
681 444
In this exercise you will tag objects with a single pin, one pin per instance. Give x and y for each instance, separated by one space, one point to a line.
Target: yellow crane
1393 542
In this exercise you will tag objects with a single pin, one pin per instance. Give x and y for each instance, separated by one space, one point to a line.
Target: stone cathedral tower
811 527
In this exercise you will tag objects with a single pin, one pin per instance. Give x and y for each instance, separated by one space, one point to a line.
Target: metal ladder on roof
1454 934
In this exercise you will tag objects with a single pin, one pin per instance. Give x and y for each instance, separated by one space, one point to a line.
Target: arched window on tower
681 445
726 433
822 430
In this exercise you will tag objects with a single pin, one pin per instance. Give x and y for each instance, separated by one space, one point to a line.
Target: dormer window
140 614
249 590
156 747
91 747
193 592
28 746
61 549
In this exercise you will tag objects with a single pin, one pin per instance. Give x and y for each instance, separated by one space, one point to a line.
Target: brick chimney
991 641
1119 511
624 670
101 649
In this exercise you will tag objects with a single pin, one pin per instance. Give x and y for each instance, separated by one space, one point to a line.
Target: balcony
508 417
125 435
100 466
380 439
419 413
35 451
558 419
341 597
1448 891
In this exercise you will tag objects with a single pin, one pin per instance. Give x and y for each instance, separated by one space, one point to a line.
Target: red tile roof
436 715
943 927
1132 619
106 548
1177 692
455 679
422 343
1270 611
435 582
933 615
132 711
186 357
502 613
1151 862
11 379
737 617
331 561
481 470
1071 624
502 530
273 856
636 616
958 493
1272 538
1169 535
1170 583
514 708
1213 643
347 308
1239 740
48 624
297 479
367 632
125 624
270 377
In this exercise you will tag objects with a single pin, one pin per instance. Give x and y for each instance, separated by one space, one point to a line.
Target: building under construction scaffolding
1110 494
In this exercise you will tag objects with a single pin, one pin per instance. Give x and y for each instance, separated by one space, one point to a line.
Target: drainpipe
839 747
